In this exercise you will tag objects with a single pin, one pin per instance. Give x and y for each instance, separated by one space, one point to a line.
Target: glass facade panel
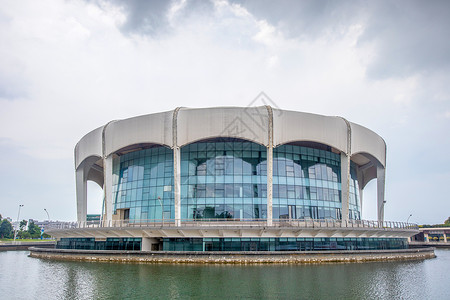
92 244
227 179
223 179
307 184
282 244
354 202
143 184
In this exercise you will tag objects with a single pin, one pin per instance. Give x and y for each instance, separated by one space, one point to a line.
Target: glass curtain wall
92 244
223 179
354 199
143 184
227 179
282 244
307 184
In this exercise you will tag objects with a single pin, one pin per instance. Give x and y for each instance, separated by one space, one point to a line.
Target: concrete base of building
256 257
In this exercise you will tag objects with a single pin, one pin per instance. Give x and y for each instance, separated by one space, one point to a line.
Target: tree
6 229
34 230
447 221
22 224
25 235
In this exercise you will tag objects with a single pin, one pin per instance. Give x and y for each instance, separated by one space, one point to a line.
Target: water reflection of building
232 178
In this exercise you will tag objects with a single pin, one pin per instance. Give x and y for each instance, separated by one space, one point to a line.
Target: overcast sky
68 67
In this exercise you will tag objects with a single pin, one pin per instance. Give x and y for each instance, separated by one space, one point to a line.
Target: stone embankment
257 257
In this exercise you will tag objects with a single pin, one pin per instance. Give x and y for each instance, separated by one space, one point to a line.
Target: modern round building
232 179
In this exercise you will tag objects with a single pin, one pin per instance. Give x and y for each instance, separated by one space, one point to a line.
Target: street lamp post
48 216
407 220
18 222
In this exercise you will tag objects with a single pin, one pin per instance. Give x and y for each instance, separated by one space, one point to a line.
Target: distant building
93 218
47 224
432 235
232 179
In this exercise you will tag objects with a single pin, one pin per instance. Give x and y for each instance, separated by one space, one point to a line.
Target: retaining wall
254 257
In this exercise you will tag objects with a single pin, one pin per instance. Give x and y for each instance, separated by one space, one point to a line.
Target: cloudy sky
67 67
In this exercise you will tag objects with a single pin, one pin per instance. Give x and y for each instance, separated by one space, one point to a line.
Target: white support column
81 190
345 175
269 184
176 168
345 186
107 188
177 185
445 237
149 243
269 165
381 173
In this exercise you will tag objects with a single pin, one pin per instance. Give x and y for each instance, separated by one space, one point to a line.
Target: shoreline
256 257
19 246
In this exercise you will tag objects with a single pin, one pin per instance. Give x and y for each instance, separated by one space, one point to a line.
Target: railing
250 223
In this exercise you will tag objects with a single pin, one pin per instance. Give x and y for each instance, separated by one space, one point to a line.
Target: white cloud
174 10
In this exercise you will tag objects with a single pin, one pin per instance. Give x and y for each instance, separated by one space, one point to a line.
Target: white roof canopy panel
291 126
249 123
152 129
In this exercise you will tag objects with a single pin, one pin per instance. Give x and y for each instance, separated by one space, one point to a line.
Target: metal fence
250 223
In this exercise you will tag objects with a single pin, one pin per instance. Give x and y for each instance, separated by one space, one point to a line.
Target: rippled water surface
23 277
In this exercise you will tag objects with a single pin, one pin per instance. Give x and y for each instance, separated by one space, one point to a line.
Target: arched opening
95 196
368 168
369 194
89 180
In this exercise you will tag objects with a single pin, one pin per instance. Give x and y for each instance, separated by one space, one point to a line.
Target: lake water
23 277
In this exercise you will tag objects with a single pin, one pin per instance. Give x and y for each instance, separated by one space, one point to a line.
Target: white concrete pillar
81 190
149 243
269 165
445 237
177 185
176 168
345 186
269 185
381 173
107 188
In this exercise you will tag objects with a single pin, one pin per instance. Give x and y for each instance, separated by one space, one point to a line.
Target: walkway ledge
254 257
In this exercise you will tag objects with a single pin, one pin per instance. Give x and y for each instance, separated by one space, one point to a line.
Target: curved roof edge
365 140
291 126
248 123
89 145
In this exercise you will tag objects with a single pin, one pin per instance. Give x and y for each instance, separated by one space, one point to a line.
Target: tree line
31 232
